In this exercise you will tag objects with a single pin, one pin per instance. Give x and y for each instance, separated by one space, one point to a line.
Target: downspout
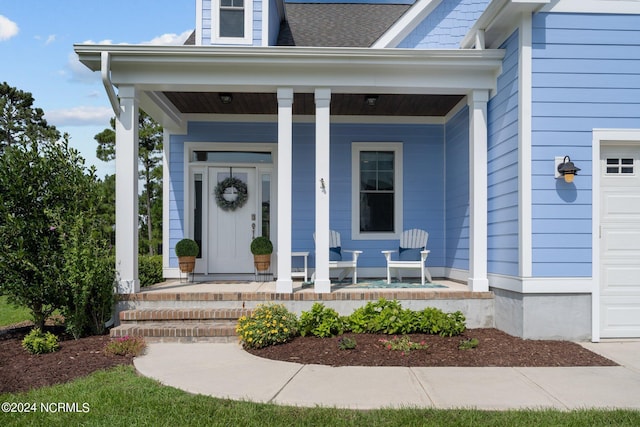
105 68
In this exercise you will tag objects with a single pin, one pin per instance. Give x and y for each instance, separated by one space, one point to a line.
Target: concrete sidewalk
226 371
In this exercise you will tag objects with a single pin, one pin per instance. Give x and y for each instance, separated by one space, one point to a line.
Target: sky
36 55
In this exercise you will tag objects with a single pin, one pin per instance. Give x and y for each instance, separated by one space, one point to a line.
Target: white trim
248 25
593 6
166 158
478 215
455 110
198 41
600 137
265 23
406 24
542 285
322 187
284 284
524 146
273 118
356 148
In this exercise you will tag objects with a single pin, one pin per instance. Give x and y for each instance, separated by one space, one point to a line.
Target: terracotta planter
187 263
262 262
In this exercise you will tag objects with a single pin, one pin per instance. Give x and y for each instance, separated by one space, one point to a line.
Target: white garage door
620 241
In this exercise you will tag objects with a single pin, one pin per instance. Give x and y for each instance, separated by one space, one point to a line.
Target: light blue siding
457 191
446 26
502 167
586 75
423 161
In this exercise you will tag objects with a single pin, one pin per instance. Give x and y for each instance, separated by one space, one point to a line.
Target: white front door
231 231
620 241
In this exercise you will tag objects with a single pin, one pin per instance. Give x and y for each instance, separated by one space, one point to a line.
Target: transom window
377 190
620 166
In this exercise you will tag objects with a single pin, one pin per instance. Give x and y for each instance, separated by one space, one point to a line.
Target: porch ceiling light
226 98
371 100
567 169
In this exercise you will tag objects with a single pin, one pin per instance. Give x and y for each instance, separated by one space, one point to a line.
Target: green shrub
403 344
434 321
468 344
150 269
261 245
126 346
187 247
382 316
269 324
322 322
347 343
38 342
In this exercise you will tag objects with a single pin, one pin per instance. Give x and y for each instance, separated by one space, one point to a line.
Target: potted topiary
187 250
261 248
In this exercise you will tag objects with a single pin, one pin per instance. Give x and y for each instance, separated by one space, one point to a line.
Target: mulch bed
495 348
21 371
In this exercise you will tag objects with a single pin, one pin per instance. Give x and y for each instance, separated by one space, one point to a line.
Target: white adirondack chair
412 254
348 266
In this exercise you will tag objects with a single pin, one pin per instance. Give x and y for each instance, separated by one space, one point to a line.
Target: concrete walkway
226 371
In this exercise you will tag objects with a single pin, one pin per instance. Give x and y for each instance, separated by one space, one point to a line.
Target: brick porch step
180 325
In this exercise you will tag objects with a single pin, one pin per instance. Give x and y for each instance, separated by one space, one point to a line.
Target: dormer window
232 21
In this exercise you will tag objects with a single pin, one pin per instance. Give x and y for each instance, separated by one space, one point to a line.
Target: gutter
105 67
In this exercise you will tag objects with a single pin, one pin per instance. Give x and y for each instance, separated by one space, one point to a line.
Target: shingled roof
337 24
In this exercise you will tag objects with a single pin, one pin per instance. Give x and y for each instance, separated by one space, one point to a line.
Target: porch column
127 192
284 284
322 281
477 101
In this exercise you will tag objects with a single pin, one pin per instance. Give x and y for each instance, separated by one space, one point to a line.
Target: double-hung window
232 21
377 190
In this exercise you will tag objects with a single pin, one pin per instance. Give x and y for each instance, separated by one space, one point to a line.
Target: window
232 23
619 166
377 190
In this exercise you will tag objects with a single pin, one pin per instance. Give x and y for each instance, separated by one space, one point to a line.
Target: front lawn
9 314
119 397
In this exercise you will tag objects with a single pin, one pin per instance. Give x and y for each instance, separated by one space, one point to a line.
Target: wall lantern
566 168
226 98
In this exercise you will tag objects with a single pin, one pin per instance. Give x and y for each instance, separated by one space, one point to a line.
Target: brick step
181 314
169 331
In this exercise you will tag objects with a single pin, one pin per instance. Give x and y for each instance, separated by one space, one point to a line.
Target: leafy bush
269 324
90 276
403 344
150 269
434 321
38 342
126 346
187 247
347 343
261 245
322 322
382 316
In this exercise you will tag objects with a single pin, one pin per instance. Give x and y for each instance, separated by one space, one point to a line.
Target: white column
477 101
127 192
284 284
322 282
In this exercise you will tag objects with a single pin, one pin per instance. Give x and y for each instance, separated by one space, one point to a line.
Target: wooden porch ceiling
303 104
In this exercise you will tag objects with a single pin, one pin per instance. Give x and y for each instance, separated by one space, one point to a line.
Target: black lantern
567 169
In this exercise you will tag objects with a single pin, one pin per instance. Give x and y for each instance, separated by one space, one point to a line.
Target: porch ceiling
304 104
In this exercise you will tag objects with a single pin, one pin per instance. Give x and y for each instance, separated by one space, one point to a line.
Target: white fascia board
499 17
406 24
263 69
593 6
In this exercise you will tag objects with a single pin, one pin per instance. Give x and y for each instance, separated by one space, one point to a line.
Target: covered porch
278 89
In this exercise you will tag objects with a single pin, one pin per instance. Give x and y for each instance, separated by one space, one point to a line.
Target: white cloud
80 116
8 28
50 39
170 39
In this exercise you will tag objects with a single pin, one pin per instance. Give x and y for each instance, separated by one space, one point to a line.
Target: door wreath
236 198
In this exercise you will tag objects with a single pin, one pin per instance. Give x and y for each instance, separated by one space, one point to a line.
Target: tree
20 122
43 189
149 158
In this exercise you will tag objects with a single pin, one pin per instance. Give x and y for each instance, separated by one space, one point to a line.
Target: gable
337 24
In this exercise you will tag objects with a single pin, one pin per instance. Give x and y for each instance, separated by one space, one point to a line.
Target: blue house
459 115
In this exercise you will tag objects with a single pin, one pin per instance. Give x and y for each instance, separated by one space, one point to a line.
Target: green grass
10 314
119 397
